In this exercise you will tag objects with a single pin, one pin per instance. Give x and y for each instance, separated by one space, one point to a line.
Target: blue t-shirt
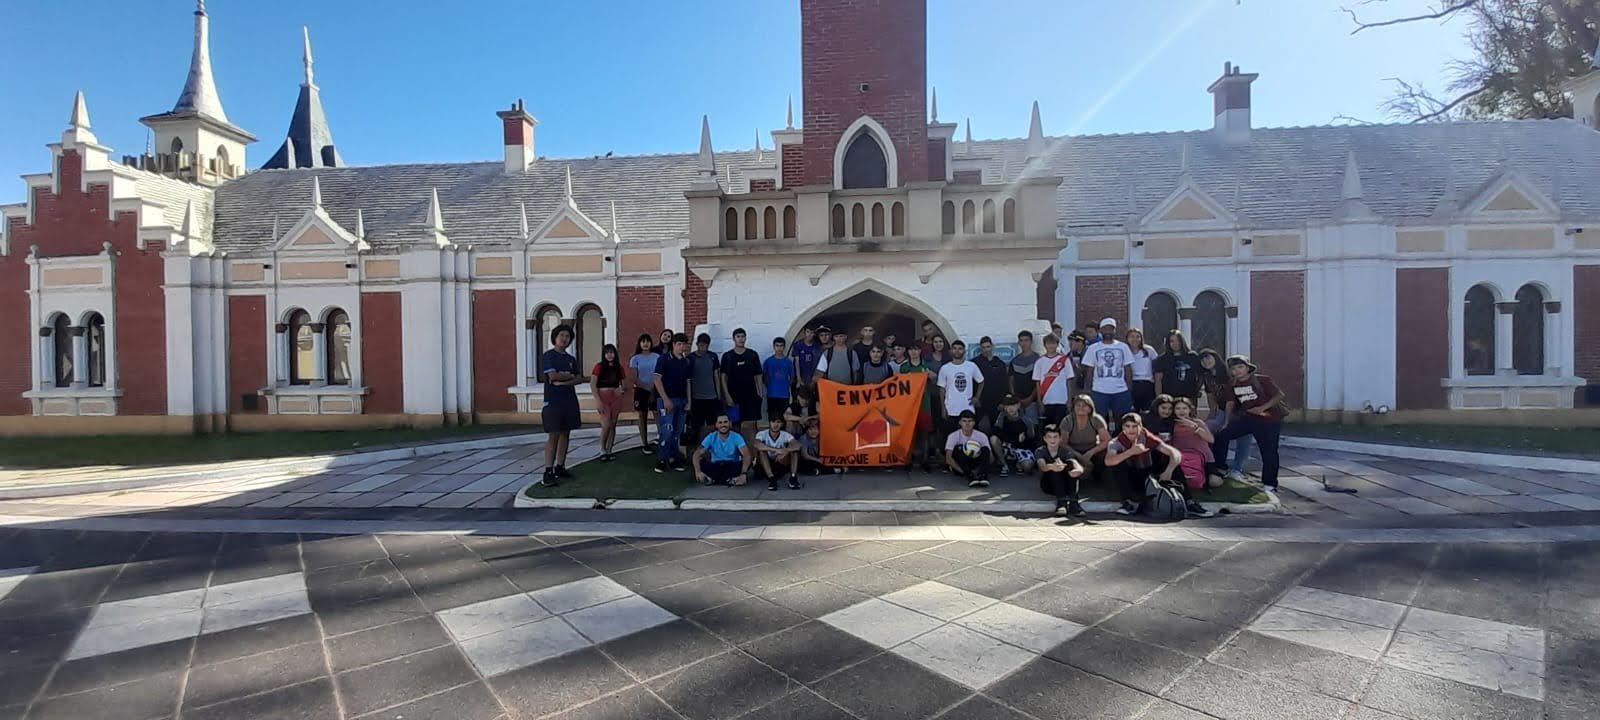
558 361
644 364
723 450
674 373
779 373
805 356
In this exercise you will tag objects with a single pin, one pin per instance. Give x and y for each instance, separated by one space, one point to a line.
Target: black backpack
1164 502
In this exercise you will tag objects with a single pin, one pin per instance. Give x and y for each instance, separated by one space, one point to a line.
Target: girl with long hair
1218 388
642 370
1177 370
610 396
1193 439
1144 378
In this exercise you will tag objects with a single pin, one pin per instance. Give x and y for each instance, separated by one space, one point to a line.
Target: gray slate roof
1281 176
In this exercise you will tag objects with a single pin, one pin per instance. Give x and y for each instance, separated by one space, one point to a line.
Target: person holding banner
838 363
723 456
968 452
1054 373
811 450
920 450
779 454
877 368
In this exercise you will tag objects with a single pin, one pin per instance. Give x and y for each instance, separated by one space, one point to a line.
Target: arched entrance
870 302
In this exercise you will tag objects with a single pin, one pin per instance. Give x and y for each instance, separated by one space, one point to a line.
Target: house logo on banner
862 425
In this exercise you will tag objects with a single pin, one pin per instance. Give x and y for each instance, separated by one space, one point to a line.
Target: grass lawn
631 476
1572 442
69 452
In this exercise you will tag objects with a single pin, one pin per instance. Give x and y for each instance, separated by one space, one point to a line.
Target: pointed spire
1183 160
758 144
616 236
316 193
80 113
1035 143
935 104
1352 178
275 227
522 215
435 214
361 225
200 89
191 221
969 134
788 115
707 160
567 194
305 57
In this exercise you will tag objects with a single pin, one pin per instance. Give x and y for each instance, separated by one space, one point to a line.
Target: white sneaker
1235 476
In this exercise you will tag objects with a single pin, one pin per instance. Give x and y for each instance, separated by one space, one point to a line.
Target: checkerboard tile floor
972 639
1488 654
516 631
12 577
153 619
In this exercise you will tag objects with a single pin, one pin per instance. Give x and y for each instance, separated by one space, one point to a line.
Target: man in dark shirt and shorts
705 390
996 381
741 370
560 415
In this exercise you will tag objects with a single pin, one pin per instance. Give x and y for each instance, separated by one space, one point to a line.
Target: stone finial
616 235
758 144
316 192
522 217
707 160
969 134
788 115
934 103
1351 189
80 113
1035 145
361 225
191 221
435 213
567 191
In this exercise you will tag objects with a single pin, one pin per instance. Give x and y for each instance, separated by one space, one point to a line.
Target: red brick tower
863 59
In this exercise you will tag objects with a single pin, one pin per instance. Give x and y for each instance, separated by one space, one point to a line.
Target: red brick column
1421 337
639 310
1045 296
1278 329
18 338
1586 324
1100 296
494 350
247 350
141 331
382 357
694 302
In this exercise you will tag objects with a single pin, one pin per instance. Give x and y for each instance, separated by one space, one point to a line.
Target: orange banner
869 425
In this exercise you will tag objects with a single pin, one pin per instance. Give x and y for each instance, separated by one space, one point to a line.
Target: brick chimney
1231 101
518 125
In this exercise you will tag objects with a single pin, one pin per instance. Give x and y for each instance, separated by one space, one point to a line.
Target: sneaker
647 450
1005 471
549 479
1196 510
838 471
661 466
1271 489
1127 508
975 483
772 483
1235 476
679 465
1076 510
562 472
1061 510
794 483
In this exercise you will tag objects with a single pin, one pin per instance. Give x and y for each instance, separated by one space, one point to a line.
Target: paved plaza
413 626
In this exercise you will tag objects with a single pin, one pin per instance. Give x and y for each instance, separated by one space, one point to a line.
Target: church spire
1351 206
200 90
707 161
1035 143
309 143
935 104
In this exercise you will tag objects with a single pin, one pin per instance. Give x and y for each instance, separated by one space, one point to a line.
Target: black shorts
644 400
703 413
776 407
561 417
750 409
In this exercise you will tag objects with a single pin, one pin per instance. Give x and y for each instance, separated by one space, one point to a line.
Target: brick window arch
865 164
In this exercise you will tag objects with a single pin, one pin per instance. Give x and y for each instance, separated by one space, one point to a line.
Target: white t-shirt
1061 387
966 444
1143 361
1106 361
767 441
959 383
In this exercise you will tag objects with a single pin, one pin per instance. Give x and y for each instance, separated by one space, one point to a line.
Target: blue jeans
1112 406
1241 446
669 427
1266 434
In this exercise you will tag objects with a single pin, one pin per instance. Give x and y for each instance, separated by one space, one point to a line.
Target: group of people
1104 405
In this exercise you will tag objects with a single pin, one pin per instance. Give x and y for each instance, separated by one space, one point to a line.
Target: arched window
337 346
750 223
1210 322
730 224
1478 331
865 165
769 222
988 216
591 327
1160 316
838 220
177 145
302 356
858 220
897 219
222 160
969 220
61 344
545 319
788 221
947 218
1008 216
95 330
1527 331
877 219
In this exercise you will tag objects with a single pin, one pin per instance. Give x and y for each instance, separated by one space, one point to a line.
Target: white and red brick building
1444 271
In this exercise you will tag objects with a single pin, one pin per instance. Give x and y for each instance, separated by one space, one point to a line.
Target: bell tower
194 140
864 91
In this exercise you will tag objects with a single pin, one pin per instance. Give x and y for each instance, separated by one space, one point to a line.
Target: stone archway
871 302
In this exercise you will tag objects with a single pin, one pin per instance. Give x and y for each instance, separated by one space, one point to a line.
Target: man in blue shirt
559 370
671 381
806 351
723 456
779 373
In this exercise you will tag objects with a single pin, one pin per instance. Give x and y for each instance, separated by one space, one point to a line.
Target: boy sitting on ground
968 452
1017 437
779 453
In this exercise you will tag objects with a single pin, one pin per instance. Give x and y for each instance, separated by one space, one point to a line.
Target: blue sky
419 80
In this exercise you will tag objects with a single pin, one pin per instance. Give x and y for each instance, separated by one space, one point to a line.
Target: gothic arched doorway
873 303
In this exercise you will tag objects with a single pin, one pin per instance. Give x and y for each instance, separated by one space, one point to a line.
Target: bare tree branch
1443 12
1416 103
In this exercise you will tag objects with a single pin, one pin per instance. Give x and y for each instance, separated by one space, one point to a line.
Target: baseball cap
1108 321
